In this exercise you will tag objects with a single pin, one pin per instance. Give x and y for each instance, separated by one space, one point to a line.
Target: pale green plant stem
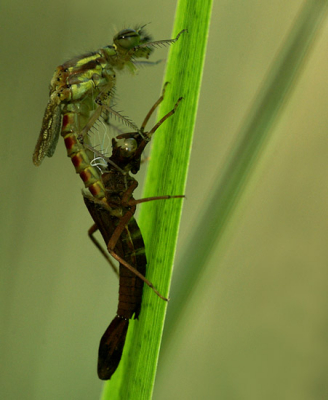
159 220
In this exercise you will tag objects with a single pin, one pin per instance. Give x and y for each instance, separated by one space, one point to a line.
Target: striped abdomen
74 119
130 292
131 248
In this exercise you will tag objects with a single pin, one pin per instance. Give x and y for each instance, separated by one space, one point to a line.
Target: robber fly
114 219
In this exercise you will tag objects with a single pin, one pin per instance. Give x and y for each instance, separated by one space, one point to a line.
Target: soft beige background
256 327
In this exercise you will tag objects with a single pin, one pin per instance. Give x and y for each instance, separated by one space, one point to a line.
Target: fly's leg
103 100
147 135
112 243
168 115
91 232
151 111
121 226
126 201
146 199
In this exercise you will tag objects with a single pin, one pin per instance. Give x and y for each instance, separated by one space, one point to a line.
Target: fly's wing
104 221
113 340
133 252
48 138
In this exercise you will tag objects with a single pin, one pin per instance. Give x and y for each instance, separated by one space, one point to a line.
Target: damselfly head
127 39
144 36
130 40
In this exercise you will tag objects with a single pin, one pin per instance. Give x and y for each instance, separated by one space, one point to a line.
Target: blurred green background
256 325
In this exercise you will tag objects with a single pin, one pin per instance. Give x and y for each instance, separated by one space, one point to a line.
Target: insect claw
158 293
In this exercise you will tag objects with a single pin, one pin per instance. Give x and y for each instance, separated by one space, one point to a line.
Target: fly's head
127 150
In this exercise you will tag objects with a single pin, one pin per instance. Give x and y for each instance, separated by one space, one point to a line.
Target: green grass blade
255 132
159 220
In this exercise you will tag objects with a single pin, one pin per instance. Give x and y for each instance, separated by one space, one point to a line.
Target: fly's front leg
113 241
128 193
134 202
91 232
126 201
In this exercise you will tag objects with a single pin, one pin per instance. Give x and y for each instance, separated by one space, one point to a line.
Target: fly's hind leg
121 226
127 201
91 232
112 243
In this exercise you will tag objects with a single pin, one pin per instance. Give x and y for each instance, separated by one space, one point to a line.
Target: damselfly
80 92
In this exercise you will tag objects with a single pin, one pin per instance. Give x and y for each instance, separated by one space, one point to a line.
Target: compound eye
128 147
127 39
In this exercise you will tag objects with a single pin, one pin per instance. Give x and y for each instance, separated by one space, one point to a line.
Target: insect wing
101 217
48 138
111 347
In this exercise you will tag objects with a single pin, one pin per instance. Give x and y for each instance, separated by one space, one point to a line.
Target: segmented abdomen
130 292
131 248
75 116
